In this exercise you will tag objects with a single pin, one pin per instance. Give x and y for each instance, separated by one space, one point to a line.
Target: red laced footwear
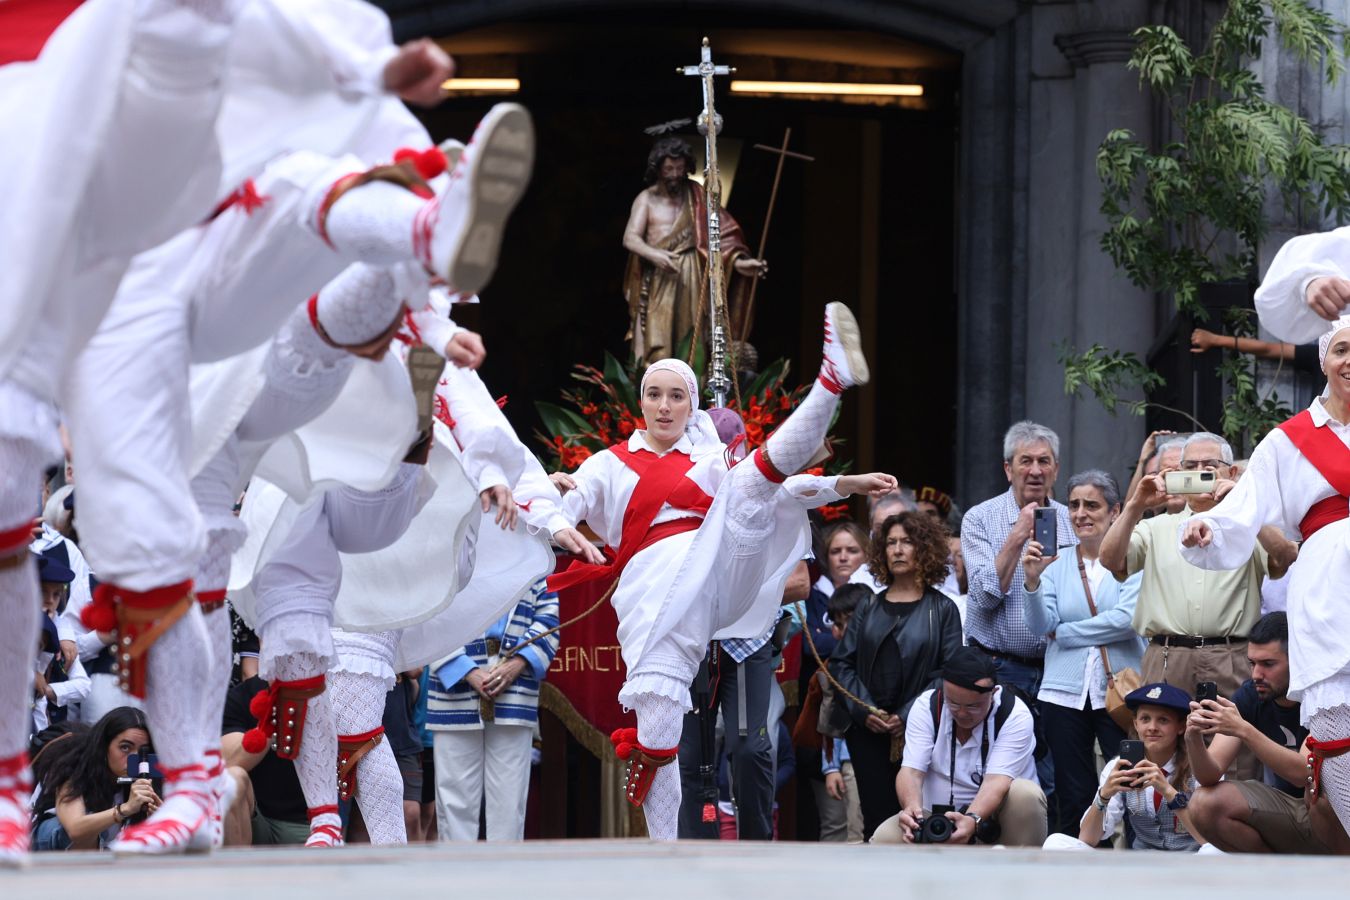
16 787
324 833
182 824
842 364
642 763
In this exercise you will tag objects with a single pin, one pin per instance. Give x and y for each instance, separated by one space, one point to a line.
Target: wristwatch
1179 801
977 817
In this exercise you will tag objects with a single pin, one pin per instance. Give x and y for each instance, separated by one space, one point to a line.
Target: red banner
588 669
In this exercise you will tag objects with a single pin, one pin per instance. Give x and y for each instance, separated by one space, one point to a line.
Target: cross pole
718 382
782 153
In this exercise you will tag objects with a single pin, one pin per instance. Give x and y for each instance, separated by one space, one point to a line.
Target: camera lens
937 829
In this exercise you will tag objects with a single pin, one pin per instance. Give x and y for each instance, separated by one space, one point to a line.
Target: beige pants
840 820
1226 666
1022 817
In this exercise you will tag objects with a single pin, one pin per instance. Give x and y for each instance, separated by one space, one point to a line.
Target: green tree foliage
1194 211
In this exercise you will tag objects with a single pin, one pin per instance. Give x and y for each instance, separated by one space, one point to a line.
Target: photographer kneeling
1254 816
960 787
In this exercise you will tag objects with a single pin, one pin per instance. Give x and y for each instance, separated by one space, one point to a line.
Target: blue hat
52 566
1159 694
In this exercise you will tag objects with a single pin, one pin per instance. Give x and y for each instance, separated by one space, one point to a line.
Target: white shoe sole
849 337
500 162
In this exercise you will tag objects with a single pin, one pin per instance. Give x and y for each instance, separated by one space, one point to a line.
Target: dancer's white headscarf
700 427
1324 344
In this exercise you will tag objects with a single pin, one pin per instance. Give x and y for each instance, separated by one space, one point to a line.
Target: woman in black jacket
894 647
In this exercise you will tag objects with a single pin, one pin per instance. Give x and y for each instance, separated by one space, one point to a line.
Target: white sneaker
843 364
484 188
181 825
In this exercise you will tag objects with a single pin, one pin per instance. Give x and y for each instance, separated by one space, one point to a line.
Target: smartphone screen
1045 529
1132 751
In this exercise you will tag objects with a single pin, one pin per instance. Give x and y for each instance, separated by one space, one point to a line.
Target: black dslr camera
935 828
145 764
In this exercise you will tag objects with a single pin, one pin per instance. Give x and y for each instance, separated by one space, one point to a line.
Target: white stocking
213 574
179 664
660 724
316 762
793 444
358 305
359 702
20 608
373 223
1331 725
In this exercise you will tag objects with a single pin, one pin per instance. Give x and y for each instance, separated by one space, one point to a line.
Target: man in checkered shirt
992 536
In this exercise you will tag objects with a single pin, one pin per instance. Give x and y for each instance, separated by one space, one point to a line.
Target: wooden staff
783 153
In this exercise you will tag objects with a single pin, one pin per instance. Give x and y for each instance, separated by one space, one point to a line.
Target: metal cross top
709 123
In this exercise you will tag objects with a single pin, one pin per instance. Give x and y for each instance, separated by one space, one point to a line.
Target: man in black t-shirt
280 816
1267 816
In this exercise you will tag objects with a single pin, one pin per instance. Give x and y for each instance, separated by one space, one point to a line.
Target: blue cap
52 567
1159 694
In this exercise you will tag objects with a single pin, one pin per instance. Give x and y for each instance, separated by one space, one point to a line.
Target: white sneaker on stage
843 364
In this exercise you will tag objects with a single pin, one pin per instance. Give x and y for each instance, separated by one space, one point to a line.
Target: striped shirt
454 706
994 617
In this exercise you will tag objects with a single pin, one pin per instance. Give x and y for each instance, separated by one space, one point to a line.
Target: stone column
1108 308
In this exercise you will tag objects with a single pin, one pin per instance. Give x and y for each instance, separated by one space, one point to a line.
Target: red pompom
99 617
429 163
624 749
254 741
261 704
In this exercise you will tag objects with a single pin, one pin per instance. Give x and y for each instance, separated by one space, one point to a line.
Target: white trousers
490 766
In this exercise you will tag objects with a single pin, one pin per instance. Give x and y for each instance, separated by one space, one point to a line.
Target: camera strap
984 752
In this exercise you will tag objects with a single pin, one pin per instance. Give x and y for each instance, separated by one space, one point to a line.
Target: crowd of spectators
1033 672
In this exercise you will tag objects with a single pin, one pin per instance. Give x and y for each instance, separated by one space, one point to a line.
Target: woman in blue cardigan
1073 691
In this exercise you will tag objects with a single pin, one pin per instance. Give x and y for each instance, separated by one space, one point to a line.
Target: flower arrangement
605 411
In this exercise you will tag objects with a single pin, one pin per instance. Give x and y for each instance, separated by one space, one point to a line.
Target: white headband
1324 342
681 369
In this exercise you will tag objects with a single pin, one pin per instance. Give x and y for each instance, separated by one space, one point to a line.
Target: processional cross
709 122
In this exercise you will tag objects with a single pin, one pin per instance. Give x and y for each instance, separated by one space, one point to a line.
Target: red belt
1318 751
580 573
1323 513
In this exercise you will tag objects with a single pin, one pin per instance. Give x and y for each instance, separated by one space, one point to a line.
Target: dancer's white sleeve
433 322
541 506
1280 300
490 451
352 39
812 491
1236 521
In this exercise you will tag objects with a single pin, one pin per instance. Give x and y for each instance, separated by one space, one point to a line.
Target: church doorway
872 221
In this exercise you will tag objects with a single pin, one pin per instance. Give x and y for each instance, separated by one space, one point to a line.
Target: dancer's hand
875 484
1328 297
563 482
573 542
507 511
417 70
503 675
466 349
1196 533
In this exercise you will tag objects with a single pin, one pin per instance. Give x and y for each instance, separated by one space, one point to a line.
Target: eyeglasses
1190 465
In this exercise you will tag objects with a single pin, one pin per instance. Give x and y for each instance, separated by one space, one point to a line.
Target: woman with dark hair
80 805
895 645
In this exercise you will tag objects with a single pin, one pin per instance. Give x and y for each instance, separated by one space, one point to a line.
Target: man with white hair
992 536
1196 620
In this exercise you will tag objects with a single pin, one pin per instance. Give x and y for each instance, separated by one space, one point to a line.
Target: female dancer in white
691 566
1299 480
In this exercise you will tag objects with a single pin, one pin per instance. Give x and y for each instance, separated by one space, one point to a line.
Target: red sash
660 481
1330 457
